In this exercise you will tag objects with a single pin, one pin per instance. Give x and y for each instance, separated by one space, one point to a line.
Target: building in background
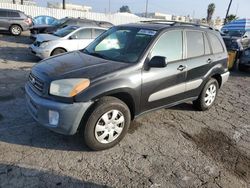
25 2
69 6
160 16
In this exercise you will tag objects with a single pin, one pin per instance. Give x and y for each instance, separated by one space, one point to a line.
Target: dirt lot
177 147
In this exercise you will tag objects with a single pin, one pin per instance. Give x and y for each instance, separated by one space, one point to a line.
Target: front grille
36 82
37 43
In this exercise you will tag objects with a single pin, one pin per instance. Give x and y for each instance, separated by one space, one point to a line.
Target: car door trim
175 90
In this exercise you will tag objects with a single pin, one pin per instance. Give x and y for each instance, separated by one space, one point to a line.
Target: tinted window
195 44
98 32
13 14
3 13
169 45
83 34
216 44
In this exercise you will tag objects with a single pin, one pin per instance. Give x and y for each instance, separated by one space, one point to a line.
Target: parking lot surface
177 147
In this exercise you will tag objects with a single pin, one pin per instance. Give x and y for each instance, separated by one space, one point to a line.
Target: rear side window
3 14
13 14
170 46
195 44
216 44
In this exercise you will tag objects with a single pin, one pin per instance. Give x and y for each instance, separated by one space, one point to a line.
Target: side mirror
245 36
158 62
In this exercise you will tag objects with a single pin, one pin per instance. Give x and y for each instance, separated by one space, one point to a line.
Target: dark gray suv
14 21
127 71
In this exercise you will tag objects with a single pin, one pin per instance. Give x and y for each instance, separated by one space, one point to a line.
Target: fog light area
53 117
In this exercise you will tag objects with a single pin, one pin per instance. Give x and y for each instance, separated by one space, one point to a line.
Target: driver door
81 38
166 85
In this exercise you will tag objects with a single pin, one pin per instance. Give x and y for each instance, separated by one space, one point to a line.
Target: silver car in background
64 40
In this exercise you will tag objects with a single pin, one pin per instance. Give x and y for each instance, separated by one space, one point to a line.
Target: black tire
15 30
102 107
200 103
58 51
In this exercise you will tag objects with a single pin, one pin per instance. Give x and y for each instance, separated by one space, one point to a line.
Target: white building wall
117 18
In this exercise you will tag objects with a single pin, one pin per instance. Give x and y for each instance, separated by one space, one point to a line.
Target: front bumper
40 52
70 115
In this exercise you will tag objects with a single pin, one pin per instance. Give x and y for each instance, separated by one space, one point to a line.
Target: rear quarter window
3 13
215 43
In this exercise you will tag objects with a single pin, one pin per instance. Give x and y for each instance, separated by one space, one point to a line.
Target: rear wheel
15 30
207 96
58 51
107 124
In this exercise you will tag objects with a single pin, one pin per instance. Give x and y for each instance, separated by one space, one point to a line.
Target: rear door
199 59
4 23
163 86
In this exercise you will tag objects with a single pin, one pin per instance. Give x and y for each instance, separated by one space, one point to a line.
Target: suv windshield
234 33
65 31
121 44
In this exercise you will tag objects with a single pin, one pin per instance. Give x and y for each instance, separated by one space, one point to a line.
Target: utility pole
228 9
146 13
63 2
21 2
14 2
109 7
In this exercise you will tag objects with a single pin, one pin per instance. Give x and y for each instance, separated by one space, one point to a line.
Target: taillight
28 21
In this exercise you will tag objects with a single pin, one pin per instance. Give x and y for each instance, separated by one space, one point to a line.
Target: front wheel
207 96
107 124
58 51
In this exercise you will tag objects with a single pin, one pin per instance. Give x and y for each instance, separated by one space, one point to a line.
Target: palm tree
210 12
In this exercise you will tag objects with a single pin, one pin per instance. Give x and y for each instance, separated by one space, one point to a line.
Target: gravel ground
177 147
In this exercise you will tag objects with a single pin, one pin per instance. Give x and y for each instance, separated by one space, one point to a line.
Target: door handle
181 67
209 60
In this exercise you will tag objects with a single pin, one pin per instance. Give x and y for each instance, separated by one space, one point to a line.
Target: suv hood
46 37
76 65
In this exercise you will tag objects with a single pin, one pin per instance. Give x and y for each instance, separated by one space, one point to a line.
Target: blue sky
178 7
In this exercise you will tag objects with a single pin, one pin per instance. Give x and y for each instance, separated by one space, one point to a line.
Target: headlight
44 44
68 87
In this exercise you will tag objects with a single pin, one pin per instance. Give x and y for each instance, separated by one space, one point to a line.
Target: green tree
125 8
210 12
231 17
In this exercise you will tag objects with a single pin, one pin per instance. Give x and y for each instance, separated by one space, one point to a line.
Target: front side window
122 44
216 44
83 34
169 45
98 32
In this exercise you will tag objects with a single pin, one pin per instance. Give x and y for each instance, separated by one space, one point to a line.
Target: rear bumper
69 115
224 78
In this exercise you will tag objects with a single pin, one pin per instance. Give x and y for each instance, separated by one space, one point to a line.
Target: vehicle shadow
19 176
20 54
240 74
24 38
223 150
183 107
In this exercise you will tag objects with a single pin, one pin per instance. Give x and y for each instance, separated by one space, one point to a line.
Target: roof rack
177 23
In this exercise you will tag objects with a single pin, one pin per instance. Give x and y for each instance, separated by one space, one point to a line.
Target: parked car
64 40
59 24
244 61
14 21
242 36
127 71
44 20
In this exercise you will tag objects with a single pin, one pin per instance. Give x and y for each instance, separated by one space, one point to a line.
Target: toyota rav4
127 71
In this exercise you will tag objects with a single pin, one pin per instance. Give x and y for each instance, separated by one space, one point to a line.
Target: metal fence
117 18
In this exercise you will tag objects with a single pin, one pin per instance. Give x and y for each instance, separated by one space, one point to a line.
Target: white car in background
67 39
